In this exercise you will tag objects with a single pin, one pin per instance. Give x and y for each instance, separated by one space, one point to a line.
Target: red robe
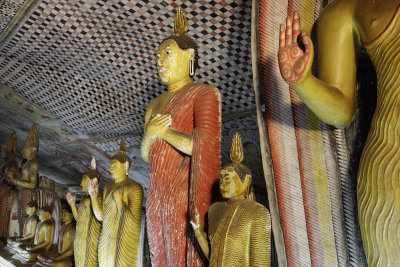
195 109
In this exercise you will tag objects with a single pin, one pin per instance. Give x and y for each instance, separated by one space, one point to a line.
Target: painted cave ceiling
85 71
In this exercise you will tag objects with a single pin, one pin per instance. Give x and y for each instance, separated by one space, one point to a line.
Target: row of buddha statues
108 225
182 143
186 226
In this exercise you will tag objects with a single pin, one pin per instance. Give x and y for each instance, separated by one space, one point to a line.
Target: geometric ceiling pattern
93 63
91 67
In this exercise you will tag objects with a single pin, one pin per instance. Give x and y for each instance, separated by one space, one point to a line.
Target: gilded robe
177 179
120 235
240 234
86 235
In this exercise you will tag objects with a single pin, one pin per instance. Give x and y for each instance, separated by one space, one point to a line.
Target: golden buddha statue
87 226
181 141
121 214
64 257
343 26
27 180
29 228
43 237
7 161
239 229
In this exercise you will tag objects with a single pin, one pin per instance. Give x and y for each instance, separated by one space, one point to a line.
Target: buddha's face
173 62
30 210
230 184
117 169
85 180
43 215
66 216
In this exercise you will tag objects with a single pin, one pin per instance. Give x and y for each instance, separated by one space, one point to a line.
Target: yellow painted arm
203 241
331 97
32 233
33 174
97 208
181 141
146 142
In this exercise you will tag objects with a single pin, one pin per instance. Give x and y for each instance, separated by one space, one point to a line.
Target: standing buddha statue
87 226
343 26
27 180
30 226
181 141
239 229
64 257
43 237
7 161
121 214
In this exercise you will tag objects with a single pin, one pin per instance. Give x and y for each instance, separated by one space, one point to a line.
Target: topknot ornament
11 144
181 24
32 140
236 154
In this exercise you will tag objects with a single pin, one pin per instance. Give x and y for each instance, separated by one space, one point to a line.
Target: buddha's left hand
158 126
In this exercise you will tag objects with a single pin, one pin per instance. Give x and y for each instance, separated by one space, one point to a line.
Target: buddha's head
90 175
31 144
31 208
119 164
44 213
67 215
235 177
9 148
177 54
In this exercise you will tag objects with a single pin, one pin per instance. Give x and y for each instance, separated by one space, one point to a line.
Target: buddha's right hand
93 187
195 218
71 199
295 55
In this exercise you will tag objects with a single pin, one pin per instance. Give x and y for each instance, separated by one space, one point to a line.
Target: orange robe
195 109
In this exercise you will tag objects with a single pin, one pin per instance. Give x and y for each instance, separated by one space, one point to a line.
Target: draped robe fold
194 109
86 235
120 235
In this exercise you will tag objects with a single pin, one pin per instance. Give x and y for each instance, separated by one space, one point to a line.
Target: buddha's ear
247 181
191 53
126 167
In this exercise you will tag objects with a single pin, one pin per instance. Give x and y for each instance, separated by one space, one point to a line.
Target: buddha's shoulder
49 222
203 87
132 185
254 207
33 218
216 206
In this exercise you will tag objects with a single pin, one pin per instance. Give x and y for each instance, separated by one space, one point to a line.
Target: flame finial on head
93 173
32 140
93 163
11 144
181 24
236 154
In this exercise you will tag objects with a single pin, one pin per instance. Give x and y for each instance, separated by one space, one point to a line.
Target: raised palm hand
71 199
93 187
294 56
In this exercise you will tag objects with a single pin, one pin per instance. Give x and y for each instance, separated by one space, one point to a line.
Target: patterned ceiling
92 64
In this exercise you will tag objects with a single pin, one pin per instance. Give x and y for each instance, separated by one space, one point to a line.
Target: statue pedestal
7 259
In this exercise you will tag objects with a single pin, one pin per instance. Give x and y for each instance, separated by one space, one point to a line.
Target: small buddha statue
121 214
29 228
239 229
7 161
43 237
181 141
64 257
87 226
27 179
